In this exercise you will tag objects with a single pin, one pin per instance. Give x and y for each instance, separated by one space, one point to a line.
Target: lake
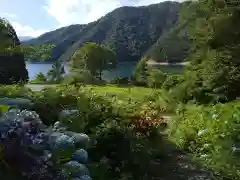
123 70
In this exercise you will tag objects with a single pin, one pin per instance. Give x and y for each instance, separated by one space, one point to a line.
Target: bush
212 135
75 77
133 161
30 150
155 78
41 77
121 81
171 81
14 91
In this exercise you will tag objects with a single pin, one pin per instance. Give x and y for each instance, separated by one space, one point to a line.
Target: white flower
202 132
204 156
235 149
206 145
214 116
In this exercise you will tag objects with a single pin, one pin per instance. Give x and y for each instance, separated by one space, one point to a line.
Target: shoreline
153 63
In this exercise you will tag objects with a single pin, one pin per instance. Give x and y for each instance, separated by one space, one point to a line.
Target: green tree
40 77
94 58
81 76
56 73
12 65
214 73
13 55
141 72
155 78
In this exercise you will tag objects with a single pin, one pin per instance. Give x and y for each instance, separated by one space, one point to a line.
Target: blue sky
35 17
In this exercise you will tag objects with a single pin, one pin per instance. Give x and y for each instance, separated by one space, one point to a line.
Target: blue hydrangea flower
76 169
80 155
80 139
64 141
27 129
84 177
58 127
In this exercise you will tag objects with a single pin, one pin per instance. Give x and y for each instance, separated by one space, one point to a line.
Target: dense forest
130 31
12 68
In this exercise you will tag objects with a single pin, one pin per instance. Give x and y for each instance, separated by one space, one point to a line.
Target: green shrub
155 78
75 77
171 81
14 91
212 135
121 81
121 153
41 78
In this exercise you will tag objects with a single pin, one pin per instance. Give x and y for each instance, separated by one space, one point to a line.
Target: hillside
175 45
25 38
172 46
130 31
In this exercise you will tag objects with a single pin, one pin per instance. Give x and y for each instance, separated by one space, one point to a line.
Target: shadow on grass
166 163
175 164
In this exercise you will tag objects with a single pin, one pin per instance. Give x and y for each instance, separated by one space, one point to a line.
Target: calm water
123 70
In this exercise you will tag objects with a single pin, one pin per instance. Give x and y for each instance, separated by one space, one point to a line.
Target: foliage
55 75
12 68
13 55
172 81
141 72
30 151
41 78
34 53
214 72
94 58
175 45
121 81
79 76
155 78
211 134
134 161
129 31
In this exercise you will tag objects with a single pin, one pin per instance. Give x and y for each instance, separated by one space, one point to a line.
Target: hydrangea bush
212 134
30 150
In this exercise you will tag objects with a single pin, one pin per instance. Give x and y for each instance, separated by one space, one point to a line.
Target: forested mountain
12 64
130 31
175 45
25 38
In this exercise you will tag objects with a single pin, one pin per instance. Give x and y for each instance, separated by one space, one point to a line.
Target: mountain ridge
130 31
25 38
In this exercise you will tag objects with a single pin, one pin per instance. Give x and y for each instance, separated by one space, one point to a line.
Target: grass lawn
128 99
123 93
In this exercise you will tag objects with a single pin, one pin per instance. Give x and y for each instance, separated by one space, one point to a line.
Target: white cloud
8 15
68 12
22 30
25 30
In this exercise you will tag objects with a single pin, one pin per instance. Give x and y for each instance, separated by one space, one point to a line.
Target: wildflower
214 116
204 156
206 145
235 149
202 132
